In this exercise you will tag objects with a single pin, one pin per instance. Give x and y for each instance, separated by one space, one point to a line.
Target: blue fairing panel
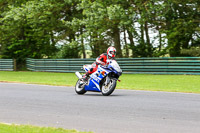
86 70
94 81
92 86
107 69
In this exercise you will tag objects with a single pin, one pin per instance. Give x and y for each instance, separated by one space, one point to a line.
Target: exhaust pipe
78 75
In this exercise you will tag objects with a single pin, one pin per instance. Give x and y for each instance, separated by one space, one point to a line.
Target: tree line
67 28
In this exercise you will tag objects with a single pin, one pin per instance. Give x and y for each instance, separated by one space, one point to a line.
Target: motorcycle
104 80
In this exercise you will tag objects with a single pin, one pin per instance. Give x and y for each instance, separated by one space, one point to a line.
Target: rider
103 59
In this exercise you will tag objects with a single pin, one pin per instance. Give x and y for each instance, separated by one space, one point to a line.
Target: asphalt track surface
123 112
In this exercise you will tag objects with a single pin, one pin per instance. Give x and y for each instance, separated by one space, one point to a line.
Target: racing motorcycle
104 80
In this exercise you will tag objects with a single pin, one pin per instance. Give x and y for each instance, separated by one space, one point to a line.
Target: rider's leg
86 75
92 70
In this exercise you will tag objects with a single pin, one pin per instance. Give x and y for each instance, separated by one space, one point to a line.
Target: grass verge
170 83
5 128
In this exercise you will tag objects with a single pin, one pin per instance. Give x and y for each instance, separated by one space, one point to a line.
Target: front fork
107 80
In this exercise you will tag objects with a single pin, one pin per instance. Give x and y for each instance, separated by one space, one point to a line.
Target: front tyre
80 88
106 90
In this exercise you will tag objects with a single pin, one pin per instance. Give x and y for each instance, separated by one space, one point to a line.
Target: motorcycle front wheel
80 88
106 90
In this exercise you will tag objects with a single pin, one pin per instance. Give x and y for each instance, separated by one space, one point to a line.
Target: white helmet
111 51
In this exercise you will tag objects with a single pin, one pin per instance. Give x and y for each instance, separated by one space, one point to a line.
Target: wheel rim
106 89
77 86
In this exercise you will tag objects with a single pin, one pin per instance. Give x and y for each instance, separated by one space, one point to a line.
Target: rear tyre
80 88
107 90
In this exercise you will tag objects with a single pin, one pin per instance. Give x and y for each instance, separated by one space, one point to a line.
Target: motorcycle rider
103 59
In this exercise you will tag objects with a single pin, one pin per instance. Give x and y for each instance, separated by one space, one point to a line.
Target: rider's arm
101 59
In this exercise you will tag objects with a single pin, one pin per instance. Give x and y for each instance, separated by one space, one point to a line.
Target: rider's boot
84 79
86 76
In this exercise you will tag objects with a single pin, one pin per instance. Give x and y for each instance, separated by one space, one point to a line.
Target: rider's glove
108 61
103 64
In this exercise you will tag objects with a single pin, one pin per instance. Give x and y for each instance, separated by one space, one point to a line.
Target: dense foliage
67 28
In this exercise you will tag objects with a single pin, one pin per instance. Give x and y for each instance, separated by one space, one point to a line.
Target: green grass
4 128
170 83
61 79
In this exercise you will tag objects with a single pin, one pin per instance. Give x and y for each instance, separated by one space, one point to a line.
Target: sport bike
104 80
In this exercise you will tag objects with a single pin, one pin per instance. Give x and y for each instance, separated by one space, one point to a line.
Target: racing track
122 112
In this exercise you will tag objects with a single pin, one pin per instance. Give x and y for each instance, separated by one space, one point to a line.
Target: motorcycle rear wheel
107 90
79 89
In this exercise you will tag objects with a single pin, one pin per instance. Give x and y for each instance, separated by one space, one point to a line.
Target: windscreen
115 65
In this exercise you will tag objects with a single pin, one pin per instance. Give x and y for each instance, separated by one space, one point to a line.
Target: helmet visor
113 52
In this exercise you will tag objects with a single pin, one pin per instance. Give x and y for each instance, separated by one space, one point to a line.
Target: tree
102 23
64 28
33 28
181 24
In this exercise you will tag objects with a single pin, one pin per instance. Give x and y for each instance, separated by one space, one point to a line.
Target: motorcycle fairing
87 67
94 81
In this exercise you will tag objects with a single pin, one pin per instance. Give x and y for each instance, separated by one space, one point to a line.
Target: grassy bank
4 128
172 83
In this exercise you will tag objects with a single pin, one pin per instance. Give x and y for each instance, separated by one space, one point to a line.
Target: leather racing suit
100 60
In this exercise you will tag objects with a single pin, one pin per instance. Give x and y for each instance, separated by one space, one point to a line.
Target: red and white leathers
103 59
